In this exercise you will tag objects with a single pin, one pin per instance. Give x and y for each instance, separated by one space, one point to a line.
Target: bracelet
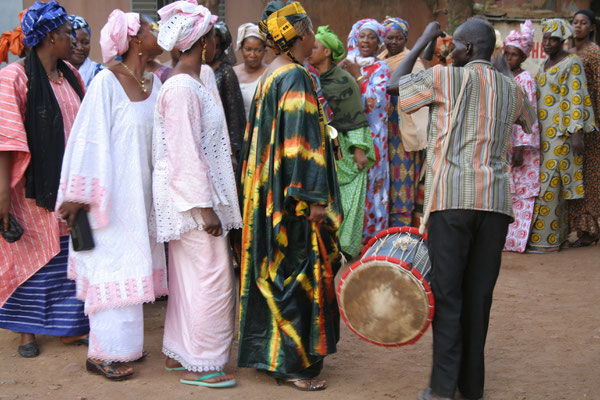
359 78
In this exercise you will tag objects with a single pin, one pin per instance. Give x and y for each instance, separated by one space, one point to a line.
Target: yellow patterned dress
564 107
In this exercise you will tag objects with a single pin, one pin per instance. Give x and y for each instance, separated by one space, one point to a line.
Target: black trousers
465 249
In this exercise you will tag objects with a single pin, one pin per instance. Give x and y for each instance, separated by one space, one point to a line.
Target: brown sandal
294 383
108 369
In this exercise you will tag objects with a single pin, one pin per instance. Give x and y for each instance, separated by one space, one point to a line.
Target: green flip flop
200 381
175 369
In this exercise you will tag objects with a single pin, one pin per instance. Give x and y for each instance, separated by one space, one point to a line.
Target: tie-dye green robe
289 317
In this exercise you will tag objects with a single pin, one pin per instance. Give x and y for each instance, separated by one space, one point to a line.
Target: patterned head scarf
558 28
331 41
357 28
40 19
278 24
114 36
245 31
182 23
396 23
78 22
522 40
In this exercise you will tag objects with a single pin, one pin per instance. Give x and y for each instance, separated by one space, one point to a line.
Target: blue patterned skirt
46 303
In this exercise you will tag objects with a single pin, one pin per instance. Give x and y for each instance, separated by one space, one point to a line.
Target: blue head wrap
78 22
40 19
396 23
360 26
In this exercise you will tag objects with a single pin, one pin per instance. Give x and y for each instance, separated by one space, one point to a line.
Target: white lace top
191 160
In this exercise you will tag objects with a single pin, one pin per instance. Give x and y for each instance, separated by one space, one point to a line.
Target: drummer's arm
431 33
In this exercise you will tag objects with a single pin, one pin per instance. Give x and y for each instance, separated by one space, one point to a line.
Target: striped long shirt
475 173
42 229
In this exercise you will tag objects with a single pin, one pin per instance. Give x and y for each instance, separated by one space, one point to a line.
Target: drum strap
438 172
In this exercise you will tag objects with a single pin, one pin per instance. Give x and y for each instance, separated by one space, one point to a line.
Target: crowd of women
148 152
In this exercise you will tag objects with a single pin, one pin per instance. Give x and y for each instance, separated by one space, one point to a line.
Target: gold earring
140 46
52 41
203 54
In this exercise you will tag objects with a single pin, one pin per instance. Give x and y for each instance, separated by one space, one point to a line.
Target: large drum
385 297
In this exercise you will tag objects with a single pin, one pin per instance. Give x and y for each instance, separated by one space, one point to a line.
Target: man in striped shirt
471 206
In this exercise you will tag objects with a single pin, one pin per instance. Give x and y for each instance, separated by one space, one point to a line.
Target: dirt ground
543 343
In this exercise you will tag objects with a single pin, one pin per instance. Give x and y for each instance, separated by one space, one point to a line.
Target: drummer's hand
360 158
317 214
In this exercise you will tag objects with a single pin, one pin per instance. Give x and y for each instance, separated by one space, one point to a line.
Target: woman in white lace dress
195 200
107 169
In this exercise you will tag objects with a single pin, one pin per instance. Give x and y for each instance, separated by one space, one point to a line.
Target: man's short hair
481 34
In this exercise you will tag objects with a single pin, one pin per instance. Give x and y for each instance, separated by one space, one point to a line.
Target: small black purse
14 232
81 233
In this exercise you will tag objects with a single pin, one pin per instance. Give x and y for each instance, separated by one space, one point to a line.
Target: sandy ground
544 343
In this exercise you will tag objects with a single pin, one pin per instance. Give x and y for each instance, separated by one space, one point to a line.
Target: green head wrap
331 41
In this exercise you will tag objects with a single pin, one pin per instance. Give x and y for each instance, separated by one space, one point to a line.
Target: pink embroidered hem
114 296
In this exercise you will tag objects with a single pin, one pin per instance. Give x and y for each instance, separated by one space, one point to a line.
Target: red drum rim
407 267
396 229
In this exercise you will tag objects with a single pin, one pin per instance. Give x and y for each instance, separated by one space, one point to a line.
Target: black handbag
81 233
14 232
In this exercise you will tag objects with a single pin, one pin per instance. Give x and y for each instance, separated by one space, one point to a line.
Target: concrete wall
339 14
560 6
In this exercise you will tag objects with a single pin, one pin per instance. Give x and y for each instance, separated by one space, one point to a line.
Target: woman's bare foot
171 363
27 338
74 339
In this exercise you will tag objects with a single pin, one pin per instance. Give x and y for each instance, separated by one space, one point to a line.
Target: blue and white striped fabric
46 303
40 19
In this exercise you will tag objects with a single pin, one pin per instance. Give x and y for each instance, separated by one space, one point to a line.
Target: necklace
60 79
141 82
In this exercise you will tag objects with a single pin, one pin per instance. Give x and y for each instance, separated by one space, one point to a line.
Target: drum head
383 302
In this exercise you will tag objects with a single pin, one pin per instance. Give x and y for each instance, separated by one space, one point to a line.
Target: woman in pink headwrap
195 200
106 171
525 148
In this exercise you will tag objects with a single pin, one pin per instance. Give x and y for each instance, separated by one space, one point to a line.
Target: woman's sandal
201 381
108 369
542 250
174 368
294 383
142 357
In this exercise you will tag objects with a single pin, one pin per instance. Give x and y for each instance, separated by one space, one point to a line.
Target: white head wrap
182 23
245 31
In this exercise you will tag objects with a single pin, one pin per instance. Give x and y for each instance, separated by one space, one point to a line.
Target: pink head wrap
114 36
182 23
522 40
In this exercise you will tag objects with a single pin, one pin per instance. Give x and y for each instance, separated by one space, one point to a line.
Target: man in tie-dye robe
289 317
